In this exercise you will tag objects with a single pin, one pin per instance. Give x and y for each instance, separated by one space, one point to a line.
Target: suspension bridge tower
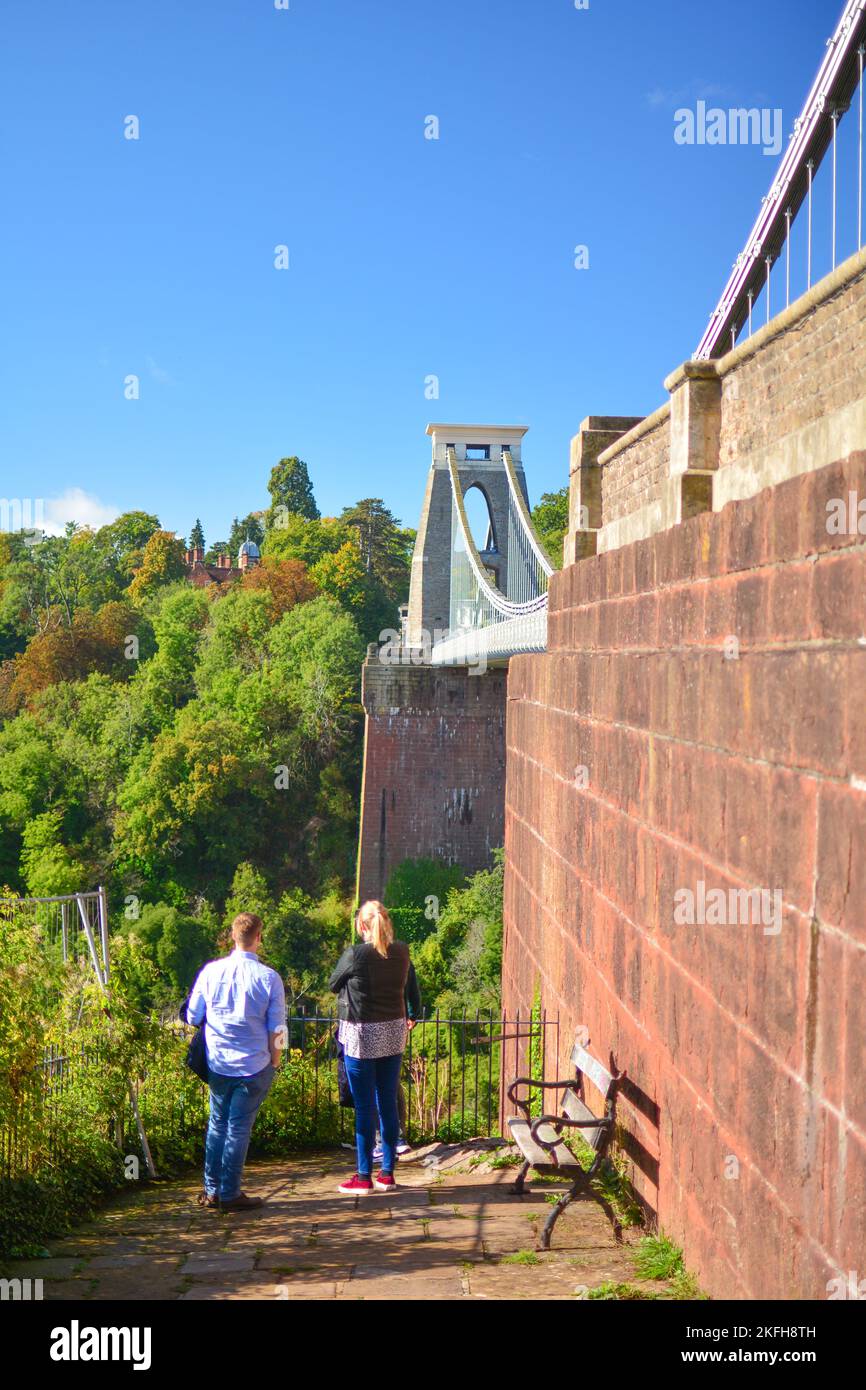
435 695
478 453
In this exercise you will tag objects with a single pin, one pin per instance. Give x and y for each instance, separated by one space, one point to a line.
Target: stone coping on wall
694 413
646 426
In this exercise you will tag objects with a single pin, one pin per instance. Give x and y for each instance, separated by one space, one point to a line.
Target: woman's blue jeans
234 1104
374 1082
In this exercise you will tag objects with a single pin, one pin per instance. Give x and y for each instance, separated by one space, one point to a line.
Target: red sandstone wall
434 769
744 1050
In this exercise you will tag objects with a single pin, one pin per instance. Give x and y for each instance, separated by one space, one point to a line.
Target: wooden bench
541 1140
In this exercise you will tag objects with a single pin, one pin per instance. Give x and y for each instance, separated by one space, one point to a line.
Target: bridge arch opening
479 514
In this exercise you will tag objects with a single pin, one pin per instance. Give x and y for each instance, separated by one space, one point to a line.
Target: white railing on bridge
488 624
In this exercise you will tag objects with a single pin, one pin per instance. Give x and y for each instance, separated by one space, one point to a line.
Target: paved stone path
450 1231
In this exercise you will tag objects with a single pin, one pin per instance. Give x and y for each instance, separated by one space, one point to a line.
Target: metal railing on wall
71 925
837 88
455 1073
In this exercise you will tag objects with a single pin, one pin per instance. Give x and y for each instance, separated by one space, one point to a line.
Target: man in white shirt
243 1005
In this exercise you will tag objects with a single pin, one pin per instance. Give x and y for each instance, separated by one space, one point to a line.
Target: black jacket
373 988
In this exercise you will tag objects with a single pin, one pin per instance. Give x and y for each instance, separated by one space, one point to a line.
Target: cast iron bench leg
564 1201
520 1179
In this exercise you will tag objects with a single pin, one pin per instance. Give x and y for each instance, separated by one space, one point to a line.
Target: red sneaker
385 1182
356 1184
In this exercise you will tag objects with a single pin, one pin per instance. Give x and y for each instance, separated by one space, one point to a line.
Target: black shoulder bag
196 1053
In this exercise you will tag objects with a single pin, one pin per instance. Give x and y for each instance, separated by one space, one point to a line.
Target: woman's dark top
373 988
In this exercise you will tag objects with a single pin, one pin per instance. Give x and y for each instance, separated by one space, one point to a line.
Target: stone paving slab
443 1235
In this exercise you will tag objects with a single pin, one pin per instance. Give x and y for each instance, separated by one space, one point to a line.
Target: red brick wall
434 769
744 1117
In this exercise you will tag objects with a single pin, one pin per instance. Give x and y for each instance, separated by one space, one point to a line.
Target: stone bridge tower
434 745
479 465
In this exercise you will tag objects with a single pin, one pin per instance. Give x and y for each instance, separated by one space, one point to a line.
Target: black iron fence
454 1076
455 1073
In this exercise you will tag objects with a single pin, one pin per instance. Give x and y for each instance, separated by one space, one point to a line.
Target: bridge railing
477 603
69 925
837 87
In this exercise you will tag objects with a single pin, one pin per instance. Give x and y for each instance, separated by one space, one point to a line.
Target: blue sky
408 257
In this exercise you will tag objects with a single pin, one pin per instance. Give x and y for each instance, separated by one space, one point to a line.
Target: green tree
459 963
123 541
196 536
291 491
384 547
416 892
179 614
343 575
295 537
163 562
249 528
48 866
550 517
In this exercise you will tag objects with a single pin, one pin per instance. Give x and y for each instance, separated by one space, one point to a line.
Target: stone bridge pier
434 767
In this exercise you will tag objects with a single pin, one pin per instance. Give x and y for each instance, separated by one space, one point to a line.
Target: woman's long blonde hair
374 916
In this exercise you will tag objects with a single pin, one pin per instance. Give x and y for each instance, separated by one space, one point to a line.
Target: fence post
103 929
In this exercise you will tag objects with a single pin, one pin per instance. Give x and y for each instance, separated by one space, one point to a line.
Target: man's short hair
245 928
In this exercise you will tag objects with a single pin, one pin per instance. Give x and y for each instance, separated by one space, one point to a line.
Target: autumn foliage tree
163 560
285 581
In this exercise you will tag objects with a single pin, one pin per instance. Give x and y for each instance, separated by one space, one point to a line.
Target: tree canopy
291 491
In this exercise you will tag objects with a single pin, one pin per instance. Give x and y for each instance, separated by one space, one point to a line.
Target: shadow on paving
450 1231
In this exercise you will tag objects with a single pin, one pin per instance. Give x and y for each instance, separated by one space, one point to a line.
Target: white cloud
694 91
157 372
76 505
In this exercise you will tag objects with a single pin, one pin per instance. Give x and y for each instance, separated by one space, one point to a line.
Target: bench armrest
522 1105
559 1122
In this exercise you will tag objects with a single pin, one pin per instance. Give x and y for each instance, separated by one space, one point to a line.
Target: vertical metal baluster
450 1024
436 1076
787 258
517 1067
751 297
303 1058
835 119
860 52
316 1075
769 262
463 1075
811 169
477 1045
490 1072
409 1086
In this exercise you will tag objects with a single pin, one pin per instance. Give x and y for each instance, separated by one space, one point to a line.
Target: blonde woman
378 1003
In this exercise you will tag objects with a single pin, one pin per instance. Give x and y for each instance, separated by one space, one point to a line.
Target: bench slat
591 1067
561 1157
574 1108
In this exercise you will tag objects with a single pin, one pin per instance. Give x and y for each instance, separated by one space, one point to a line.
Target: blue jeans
374 1082
234 1104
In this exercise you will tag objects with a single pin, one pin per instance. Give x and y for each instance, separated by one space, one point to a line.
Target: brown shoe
209 1200
241 1203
